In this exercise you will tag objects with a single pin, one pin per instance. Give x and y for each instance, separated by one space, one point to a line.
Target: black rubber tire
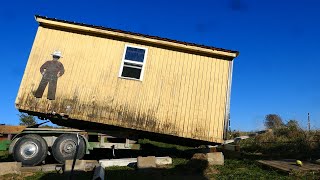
32 141
64 147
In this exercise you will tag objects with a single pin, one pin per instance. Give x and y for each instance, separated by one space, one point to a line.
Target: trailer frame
101 140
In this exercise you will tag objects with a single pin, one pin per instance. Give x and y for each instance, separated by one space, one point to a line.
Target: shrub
273 121
285 141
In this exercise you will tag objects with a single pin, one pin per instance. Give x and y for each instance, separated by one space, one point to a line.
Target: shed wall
182 94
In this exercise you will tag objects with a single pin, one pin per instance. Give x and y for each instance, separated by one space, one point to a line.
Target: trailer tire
64 147
30 150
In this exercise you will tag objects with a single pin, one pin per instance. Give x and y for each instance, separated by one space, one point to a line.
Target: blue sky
276 72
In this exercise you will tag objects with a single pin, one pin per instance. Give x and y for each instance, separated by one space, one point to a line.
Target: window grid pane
133 62
131 72
135 54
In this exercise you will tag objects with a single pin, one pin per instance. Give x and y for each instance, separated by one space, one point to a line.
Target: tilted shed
128 80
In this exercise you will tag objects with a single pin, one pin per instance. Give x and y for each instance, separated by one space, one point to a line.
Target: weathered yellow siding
181 94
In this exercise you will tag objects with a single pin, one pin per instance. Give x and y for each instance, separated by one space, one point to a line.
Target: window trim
133 62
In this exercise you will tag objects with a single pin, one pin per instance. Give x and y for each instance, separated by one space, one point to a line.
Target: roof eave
68 25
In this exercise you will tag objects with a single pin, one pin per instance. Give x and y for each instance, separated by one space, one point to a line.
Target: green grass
5 157
47 176
55 176
3 154
180 169
179 161
251 169
183 167
247 169
38 175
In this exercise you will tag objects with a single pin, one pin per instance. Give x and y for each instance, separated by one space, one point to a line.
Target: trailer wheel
30 150
64 147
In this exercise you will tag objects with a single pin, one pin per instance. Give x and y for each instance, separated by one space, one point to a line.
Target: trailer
127 84
32 145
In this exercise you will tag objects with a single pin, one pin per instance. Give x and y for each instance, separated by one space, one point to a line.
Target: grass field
183 167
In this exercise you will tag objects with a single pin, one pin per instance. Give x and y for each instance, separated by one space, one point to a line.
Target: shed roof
236 53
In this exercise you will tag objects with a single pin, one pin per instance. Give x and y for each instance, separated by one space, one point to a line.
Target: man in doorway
51 71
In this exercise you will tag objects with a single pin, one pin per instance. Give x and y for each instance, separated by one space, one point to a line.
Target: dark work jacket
52 68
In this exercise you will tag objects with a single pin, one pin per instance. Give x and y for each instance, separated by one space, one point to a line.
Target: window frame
133 62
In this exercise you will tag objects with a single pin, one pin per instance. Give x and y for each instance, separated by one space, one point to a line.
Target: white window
133 62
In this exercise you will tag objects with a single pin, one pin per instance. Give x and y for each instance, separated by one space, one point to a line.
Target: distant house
128 80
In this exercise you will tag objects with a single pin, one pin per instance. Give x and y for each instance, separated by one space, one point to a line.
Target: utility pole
309 121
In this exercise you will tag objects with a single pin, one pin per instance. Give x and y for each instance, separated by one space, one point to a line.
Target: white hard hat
56 53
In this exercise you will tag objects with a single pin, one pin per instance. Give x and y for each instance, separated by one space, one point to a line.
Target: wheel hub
29 149
68 146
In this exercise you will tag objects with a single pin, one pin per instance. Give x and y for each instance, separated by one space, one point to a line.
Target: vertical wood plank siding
182 94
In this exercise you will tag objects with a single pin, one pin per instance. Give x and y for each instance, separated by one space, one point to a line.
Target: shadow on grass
183 167
5 157
56 176
193 169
